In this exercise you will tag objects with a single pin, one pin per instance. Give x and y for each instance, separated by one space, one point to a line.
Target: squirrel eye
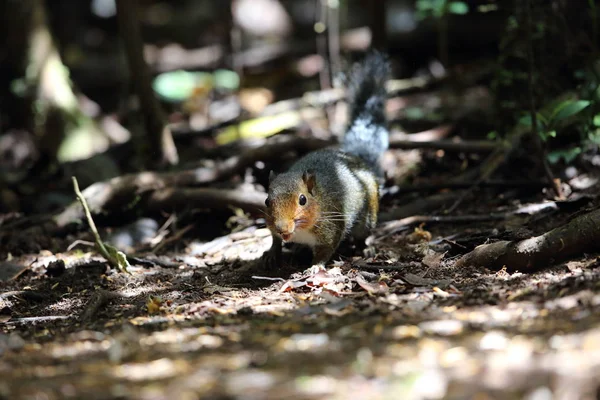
267 202
302 200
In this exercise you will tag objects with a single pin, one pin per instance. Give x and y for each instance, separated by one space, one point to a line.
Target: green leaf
526 120
259 127
545 135
118 257
458 7
568 155
226 79
569 108
542 119
178 86
594 136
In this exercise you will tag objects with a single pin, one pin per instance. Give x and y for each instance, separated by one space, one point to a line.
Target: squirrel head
292 204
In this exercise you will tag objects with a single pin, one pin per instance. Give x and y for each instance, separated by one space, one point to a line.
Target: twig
114 257
395 226
161 140
474 146
333 36
321 11
464 195
90 220
78 242
177 236
436 133
153 261
97 301
267 278
529 184
388 267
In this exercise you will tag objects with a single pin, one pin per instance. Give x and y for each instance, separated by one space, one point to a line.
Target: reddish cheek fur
289 210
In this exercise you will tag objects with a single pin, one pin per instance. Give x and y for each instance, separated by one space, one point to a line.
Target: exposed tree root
581 234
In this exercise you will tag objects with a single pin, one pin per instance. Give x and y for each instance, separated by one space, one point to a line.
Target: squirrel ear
309 180
271 176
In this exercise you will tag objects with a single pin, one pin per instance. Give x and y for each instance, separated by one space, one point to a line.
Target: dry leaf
419 235
417 280
433 259
372 288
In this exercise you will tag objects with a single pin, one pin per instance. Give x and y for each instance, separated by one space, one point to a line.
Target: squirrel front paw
270 260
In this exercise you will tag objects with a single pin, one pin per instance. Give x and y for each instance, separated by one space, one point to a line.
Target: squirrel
330 193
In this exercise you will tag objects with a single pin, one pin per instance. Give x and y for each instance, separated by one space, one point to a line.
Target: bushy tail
367 135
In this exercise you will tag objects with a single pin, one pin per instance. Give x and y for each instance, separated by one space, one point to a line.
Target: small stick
90 220
267 278
97 301
78 242
473 146
114 257
178 235
529 184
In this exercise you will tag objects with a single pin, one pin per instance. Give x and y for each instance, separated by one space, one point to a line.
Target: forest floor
203 320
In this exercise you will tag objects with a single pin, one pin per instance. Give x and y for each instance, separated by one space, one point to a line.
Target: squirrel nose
284 228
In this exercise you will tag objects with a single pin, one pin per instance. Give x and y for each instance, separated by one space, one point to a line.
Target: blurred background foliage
222 71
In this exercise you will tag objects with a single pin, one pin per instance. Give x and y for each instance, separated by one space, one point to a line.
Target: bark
578 236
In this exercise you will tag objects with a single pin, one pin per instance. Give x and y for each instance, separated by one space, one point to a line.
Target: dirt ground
205 321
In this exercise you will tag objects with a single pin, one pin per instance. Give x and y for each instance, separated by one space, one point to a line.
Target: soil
206 321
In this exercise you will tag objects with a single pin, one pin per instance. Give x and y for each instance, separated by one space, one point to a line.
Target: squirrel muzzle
285 229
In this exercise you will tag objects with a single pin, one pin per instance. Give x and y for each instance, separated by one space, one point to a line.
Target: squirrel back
367 135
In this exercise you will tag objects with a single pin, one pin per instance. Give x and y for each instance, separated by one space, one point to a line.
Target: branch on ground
580 235
118 193
214 199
